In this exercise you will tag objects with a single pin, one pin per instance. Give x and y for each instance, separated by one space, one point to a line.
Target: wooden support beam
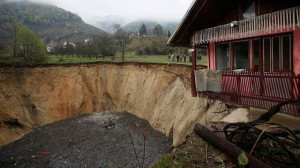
225 146
194 55
208 57
194 66
193 84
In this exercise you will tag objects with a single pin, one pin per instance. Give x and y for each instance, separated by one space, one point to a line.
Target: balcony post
194 67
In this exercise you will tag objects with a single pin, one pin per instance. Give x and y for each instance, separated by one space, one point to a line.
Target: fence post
298 86
293 83
261 80
238 88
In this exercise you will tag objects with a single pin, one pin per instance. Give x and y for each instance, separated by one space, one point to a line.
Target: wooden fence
262 90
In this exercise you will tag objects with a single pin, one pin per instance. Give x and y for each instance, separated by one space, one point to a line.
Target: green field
73 59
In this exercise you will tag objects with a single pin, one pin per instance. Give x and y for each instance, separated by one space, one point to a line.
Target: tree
158 30
122 39
15 31
105 45
143 30
29 46
169 34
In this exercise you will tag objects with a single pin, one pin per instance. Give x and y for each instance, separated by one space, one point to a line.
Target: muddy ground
95 140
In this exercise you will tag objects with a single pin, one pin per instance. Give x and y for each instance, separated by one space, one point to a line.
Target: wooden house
254 43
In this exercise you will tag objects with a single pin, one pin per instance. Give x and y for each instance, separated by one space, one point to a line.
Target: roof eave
183 22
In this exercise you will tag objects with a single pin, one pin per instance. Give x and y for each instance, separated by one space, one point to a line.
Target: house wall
297 51
232 11
269 6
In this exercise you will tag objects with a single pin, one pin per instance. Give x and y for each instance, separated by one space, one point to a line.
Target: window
240 50
222 56
240 55
256 54
248 7
277 53
286 52
267 54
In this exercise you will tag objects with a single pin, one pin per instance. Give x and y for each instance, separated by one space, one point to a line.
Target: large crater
104 139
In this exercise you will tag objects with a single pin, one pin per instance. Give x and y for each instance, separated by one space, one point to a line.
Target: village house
134 35
87 40
253 44
51 46
71 44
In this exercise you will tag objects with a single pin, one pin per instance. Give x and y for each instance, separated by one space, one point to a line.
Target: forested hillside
47 21
135 26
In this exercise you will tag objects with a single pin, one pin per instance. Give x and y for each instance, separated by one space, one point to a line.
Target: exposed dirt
159 94
94 140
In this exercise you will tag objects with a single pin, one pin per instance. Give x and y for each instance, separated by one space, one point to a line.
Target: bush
149 46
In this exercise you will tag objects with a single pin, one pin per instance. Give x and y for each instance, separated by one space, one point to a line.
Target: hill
107 23
48 22
136 25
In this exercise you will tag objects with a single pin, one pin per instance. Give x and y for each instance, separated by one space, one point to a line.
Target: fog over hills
107 23
131 25
104 14
52 21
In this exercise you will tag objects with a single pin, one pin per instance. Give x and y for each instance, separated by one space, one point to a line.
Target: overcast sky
158 10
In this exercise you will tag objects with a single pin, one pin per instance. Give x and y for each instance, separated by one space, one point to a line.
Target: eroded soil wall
157 93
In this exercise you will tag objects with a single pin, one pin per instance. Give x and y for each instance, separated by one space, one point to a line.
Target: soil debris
94 140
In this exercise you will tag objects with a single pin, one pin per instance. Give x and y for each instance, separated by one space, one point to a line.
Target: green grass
73 59
5 59
52 59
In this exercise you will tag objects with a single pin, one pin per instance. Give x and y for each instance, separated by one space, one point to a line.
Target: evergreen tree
143 30
158 30
169 34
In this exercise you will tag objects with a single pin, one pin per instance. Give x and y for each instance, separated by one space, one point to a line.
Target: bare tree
122 39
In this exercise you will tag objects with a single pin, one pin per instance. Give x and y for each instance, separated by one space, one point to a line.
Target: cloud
92 10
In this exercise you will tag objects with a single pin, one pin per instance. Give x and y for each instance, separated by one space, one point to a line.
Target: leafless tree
122 39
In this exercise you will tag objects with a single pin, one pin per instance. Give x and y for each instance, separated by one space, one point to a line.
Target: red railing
261 90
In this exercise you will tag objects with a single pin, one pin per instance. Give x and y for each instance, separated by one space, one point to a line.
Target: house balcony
277 22
250 88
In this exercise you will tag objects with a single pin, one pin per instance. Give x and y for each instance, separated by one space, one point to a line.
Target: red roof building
254 43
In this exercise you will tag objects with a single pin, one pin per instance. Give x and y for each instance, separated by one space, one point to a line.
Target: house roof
180 35
51 44
201 14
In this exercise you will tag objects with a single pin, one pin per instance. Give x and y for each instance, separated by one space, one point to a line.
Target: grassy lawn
73 59
53 59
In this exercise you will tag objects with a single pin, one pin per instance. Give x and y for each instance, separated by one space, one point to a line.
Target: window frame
251 52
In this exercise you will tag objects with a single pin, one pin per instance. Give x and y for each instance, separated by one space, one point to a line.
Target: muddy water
95 140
